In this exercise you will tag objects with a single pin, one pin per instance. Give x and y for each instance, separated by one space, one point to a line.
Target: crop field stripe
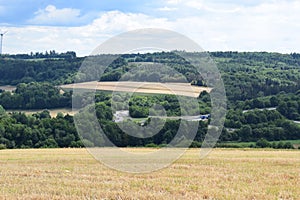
183 89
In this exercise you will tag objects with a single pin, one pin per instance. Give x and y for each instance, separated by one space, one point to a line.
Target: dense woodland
35 96
15 69
263 91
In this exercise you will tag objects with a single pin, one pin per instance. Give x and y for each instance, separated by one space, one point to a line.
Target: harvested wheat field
184 89
224 174
52 112
9 88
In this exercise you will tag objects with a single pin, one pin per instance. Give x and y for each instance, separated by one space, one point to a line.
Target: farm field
9 88
53 112
224 174
184 89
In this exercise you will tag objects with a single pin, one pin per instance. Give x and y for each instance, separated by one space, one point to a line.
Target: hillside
263 92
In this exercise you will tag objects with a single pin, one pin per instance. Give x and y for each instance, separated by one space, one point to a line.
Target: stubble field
184 89
53 112
224 174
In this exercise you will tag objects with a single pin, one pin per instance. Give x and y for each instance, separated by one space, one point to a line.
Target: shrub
2 146
195 144
280 145
288 145
262 143
151 145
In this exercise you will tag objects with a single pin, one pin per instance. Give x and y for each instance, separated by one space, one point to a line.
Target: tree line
18 130
57 71
40 130
35 96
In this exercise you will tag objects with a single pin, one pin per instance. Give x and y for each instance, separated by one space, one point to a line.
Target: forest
263 93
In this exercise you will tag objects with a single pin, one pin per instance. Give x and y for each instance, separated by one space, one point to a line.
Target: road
121 115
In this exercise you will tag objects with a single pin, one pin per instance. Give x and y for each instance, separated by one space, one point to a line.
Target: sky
80 26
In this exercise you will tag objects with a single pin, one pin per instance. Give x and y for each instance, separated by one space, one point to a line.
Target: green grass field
224 174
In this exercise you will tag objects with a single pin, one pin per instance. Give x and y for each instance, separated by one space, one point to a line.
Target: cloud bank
267 26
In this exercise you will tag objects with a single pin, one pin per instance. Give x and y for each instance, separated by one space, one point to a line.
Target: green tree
262 143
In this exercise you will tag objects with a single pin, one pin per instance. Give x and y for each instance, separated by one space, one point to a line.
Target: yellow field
184 89
53 112
9 88
224 174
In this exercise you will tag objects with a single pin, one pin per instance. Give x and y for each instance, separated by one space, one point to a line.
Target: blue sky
18 12
40 25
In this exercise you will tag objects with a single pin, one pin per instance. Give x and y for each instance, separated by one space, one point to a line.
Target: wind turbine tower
2 34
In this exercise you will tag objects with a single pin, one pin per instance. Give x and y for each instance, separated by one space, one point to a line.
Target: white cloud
116 21
204 6
81 39
167 9
272 26
194 4
53 16
174 2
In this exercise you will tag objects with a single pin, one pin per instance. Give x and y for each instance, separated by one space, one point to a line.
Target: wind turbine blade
3 33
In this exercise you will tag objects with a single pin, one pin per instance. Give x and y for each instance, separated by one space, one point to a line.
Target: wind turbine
2 34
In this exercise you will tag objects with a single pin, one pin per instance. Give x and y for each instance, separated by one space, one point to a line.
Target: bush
262 143
2 146
49 143
151 145
274 145
76 144
87 143
280 145
230 145
162 145
196 144
288 145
